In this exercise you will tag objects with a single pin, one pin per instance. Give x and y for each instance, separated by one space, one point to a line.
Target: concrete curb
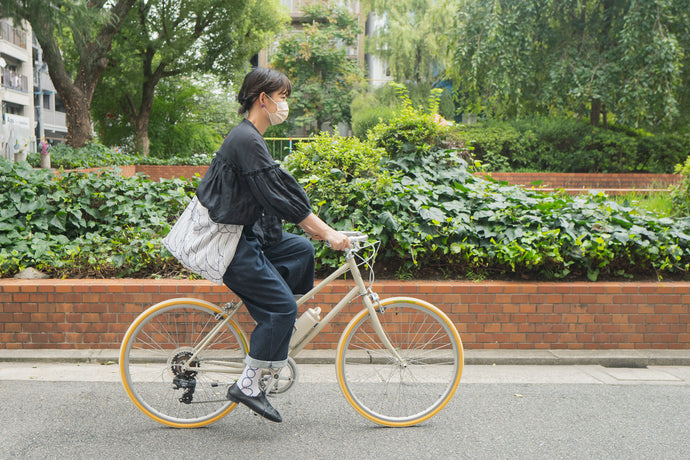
607 358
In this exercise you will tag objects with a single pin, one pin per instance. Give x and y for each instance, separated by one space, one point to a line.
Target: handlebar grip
356 236
353 236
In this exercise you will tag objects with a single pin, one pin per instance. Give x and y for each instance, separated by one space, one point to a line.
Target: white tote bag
201 245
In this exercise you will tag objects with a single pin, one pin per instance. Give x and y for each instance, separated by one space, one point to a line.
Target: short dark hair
261 80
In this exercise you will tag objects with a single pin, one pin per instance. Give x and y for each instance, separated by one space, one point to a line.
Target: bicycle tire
406 393
159 341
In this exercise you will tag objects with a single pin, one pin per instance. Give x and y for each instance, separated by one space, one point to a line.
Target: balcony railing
13 80
14 35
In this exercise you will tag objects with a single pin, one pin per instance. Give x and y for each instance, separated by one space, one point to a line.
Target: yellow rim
148 312
357 319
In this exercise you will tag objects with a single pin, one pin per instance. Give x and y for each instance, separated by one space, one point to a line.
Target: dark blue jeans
266 279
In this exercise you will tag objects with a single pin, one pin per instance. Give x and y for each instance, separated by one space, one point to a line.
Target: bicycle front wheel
164 378
402 392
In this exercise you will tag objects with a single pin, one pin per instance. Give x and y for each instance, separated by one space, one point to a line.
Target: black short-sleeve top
244 184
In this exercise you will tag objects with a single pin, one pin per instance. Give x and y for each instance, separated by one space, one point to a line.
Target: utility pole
4 148
38 70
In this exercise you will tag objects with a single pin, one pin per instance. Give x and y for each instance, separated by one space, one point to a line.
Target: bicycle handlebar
354 237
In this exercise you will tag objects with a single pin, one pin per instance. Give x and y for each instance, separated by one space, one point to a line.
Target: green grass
658 202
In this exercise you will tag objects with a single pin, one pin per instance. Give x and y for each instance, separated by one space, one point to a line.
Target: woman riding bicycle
244 186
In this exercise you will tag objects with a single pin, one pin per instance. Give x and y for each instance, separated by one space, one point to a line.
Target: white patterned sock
249 381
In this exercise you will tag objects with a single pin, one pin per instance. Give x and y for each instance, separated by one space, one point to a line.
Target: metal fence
281 147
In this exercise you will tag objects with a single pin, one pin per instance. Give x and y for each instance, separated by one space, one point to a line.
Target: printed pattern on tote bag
201 245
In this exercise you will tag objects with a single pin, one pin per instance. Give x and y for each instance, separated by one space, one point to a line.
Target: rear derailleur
184 379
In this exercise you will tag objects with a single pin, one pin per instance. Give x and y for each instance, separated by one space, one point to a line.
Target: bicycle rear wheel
153 354
410 391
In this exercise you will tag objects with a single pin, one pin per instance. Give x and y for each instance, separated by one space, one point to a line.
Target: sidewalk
606 358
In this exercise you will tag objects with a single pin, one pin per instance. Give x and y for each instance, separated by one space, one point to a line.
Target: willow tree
414 38
592 57
76 38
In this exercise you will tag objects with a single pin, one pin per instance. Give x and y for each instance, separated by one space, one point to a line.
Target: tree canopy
626 58
162 39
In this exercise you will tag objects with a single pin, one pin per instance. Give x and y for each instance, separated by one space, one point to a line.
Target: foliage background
568 145
626 58
408 185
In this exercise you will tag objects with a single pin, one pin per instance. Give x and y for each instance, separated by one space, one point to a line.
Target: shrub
436 218
656 153
95 155
364 120
414 130
184 139
82 225
680 194
500 146
569 145
343 174
92 155
405 133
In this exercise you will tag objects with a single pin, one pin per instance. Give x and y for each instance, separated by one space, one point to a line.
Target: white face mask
281 114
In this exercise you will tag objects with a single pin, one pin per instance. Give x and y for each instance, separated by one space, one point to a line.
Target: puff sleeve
279 194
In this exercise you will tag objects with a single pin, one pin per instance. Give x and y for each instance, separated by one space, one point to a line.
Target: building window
46 101
14 109
59 105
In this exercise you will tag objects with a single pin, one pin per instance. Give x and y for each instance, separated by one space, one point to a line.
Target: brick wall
573 182
156 172
83 314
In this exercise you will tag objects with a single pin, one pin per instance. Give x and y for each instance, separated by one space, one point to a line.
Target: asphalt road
81 411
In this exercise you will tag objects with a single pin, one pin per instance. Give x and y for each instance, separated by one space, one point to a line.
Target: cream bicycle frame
360 289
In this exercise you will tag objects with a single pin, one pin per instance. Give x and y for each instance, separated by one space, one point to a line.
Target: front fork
373 304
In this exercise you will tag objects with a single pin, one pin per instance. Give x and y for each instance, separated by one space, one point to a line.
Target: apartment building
51 120
16 91
30 107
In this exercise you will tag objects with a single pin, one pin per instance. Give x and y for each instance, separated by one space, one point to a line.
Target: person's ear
261 100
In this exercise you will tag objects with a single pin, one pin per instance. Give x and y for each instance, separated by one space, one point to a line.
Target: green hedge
87 225
437 219
95 155
568 145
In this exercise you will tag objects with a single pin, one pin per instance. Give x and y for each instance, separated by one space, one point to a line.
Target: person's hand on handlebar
338 240
318 229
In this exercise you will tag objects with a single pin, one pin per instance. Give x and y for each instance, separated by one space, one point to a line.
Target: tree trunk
595 112
77 94
139 116
78 118
604 117
141 134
